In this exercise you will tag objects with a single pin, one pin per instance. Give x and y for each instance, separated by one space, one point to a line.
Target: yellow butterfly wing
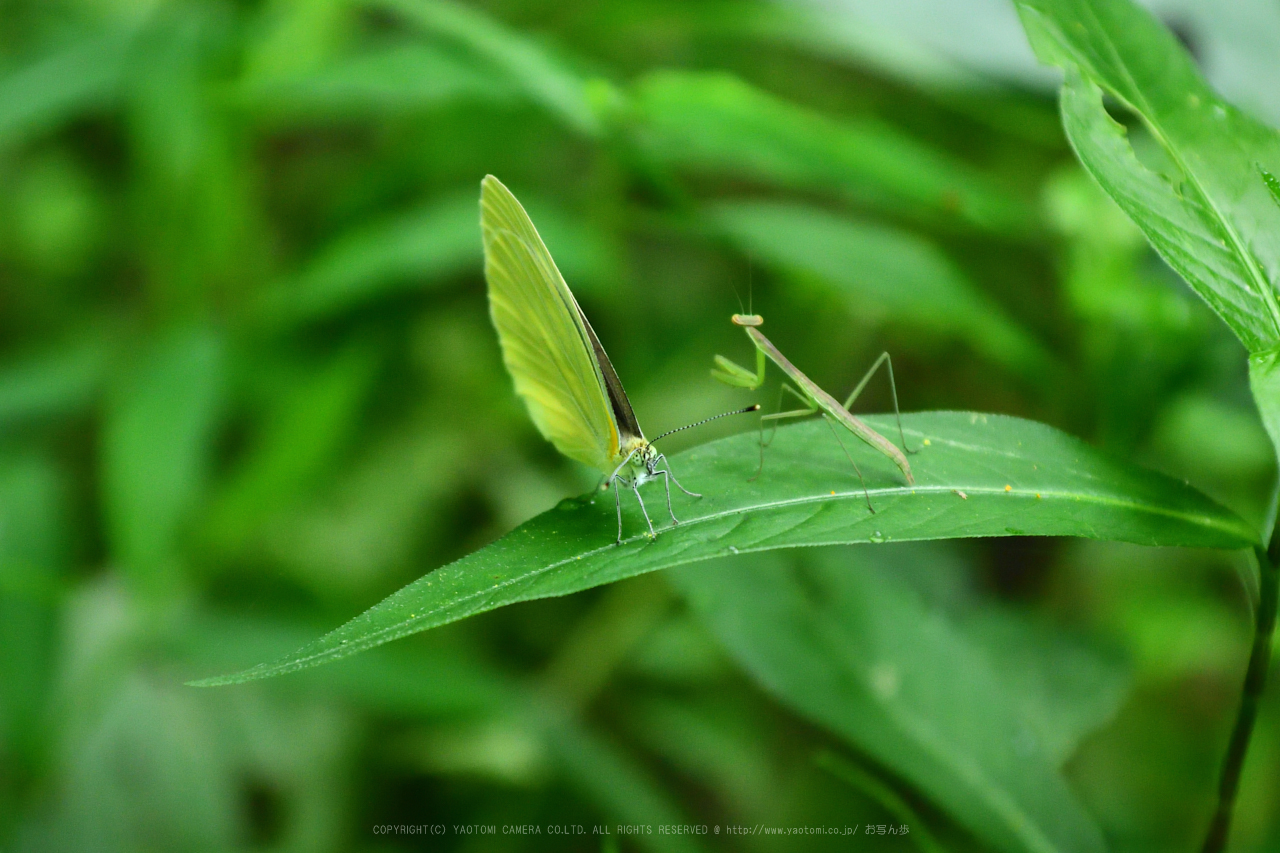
546 344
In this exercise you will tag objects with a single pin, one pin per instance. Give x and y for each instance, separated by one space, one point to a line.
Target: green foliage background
249 388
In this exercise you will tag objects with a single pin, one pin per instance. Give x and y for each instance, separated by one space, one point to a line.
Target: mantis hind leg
893 392
856 470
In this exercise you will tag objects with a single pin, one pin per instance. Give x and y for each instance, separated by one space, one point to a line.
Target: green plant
249 388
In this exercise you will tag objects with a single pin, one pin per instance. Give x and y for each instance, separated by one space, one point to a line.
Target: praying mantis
813 397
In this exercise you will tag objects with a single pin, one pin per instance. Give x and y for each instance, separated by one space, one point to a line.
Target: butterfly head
641 457
647 455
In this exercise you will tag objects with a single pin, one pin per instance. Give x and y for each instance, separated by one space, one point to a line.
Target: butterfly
560 370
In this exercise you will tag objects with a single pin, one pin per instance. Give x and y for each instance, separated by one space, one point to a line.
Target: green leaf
438 239
1273 185
59 381
411 680
34 539
878 267
1059 687
77 78
1264 381
290 37
1212 219
157 443
301 436
525 64
856 651
620 787
195 196
395 78
979 475
422 249
716 123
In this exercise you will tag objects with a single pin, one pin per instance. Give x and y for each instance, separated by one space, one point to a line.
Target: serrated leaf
979 475
1213 220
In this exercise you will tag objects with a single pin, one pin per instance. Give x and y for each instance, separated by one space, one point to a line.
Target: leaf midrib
1146 113
372 639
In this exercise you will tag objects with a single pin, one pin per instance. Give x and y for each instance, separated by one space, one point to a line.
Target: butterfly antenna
753 408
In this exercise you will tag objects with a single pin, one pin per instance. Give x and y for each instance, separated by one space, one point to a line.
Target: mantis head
747 320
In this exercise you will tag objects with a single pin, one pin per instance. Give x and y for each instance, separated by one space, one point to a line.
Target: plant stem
1255 680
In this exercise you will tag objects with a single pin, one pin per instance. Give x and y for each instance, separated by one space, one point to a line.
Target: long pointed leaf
979 475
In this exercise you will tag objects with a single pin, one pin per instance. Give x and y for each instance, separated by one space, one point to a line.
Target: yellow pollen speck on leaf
833 492
1008 488
927 441
1037 496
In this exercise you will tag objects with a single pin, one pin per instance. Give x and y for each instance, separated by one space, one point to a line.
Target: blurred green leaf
59 219
716 123
366 527
876 789
35 536
527 65
390 79
442 681
193 188
1060 688
713 742
875 267
1212 219
423 680
832 33
438 239
292 37
422 249
83 76
616 782
980 475
59 381
303 432
157 444
855 651
176 790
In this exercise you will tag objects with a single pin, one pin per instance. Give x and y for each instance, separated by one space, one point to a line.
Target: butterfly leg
893 391
666 481
663 459
836 433
617 504
635 487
